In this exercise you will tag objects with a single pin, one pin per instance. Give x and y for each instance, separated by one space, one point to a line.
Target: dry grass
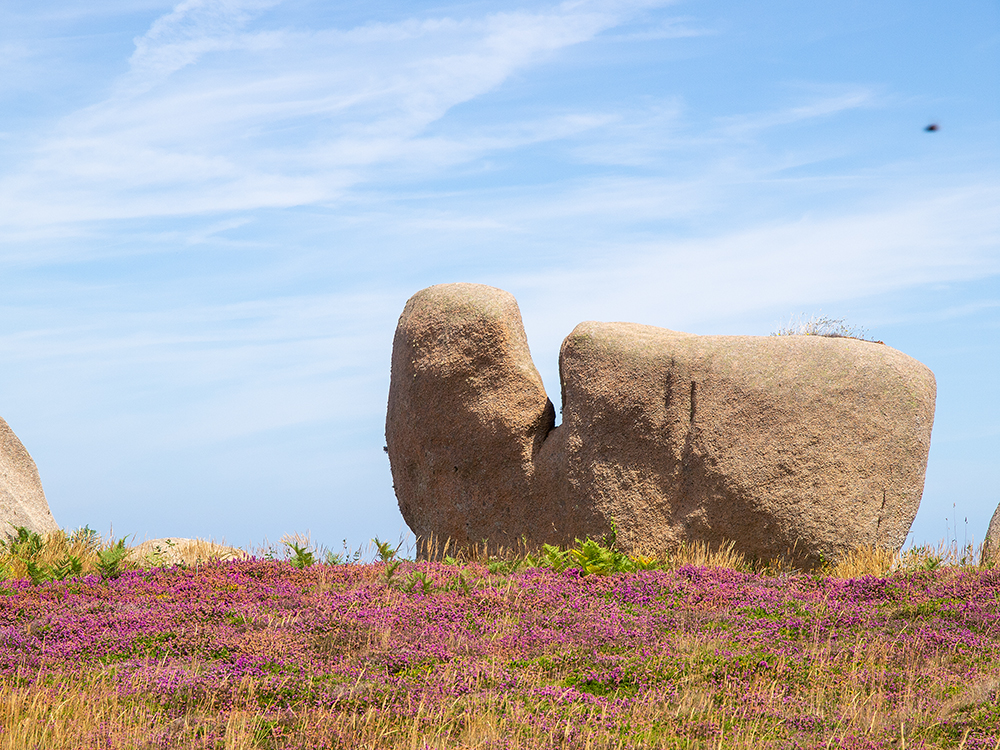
85 545
89 713
160 552
85 713
878 561
689 553
53 549
866 560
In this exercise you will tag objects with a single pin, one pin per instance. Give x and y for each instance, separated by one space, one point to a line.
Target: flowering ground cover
263 654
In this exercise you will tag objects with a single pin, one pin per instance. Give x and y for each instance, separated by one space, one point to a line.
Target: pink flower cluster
578 653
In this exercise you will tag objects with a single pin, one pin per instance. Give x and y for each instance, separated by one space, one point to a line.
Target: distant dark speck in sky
932 127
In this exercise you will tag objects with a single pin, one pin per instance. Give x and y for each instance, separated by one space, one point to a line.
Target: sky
212 214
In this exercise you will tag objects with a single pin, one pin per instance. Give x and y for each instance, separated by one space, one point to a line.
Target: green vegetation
572 648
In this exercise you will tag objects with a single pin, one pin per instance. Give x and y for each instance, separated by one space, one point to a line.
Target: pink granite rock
801 447
467 416
991 545
22 501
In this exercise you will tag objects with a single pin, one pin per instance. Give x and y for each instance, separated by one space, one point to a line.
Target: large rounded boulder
22 501
800 447
467 416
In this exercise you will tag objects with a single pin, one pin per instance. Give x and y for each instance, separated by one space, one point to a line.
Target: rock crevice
796 446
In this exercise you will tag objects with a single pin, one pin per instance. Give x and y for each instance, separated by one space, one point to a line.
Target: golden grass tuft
155 553
53 548
706 555
862 561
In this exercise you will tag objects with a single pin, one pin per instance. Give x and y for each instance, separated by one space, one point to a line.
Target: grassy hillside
699 650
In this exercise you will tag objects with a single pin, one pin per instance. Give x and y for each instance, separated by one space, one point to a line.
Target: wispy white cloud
747 124
672 28
56 11
239 368
186 132
224 370
192 29
951 236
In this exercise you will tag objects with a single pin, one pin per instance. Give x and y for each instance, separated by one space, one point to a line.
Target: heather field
699 650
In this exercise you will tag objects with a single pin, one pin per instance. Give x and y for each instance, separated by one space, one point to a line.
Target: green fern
110 561
593 558
302 557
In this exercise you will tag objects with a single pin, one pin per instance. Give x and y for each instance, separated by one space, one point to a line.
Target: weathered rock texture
22 501
991 545
467 416
796 446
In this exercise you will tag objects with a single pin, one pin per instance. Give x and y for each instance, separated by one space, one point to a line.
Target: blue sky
212 213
